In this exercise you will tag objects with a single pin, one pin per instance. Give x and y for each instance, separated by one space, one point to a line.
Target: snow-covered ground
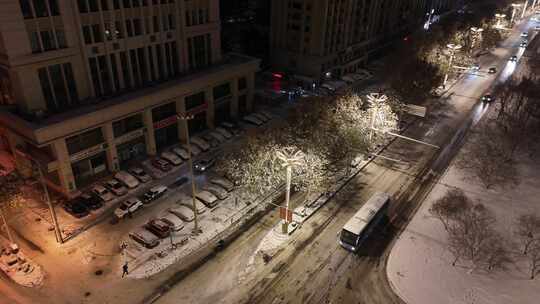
419 266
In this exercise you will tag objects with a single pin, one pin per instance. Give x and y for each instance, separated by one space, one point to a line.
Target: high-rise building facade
88 86
314 38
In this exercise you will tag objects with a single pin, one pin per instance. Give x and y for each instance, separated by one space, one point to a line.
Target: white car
183 212
218 136
194 149
223 132
171 158
183 153
201 143
260 117
129 206
216 190
102 192
127 179
188 202
223 183
140 174
253 120
115 187
207 198
524 34
173 221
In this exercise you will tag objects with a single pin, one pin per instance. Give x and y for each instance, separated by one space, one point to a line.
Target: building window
101 77
242 83
58 87
222 91
199 52
96 33
164 111
194 100
26 9
45 41
84 140
127 125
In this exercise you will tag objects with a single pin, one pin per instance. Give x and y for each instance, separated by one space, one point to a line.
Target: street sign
285 214
415 110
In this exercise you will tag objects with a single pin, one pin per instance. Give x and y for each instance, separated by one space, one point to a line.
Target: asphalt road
313 268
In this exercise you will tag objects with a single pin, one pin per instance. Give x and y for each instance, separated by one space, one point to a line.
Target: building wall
73 67
314 37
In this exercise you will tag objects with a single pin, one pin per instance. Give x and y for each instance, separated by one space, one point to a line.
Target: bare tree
496 253
527 230
447 208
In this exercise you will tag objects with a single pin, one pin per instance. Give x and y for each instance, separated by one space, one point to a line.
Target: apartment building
88 87
315 38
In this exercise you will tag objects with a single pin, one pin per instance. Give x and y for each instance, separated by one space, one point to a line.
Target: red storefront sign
285 214
165 122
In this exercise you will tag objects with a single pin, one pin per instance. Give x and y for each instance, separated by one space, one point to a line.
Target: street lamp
514 7
376 100
185 117
499 17
288 159
453 48
525 3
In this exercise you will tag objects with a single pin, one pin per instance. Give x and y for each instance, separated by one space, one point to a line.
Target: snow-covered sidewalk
419 266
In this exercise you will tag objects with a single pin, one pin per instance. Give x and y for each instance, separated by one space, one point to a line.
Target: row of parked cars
103 192
174 219
199 144
258 118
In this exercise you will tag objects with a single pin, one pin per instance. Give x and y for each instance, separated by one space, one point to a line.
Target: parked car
154 193
145 238
171 158
234 128
207 198
204 164
127 179
487 98
223 183
492 70
199 206
128 206
523 44
513 58
266 114
201 143
116 187
91 201
223 132
524 34
158 227
161 164
173 221
475 67
217 136
140 174
194 149
260 117
252 120
179 181
102 192
183 212
216 190
211 140
76 208
183 153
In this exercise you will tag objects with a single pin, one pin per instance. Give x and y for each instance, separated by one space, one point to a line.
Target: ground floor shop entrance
89 169
131 151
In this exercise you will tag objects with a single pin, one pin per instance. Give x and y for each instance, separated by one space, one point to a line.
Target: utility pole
289 159
10 237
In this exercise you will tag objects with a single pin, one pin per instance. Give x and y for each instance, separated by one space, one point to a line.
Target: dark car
76 208
204 164
180 181
91 201
492 70
232 127
145 238
159 227
161 164
487 98
154 193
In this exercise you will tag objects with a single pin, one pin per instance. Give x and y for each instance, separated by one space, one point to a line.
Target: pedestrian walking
125 270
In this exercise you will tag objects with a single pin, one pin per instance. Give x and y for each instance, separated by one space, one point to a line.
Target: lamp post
289 159
185 117
375 99
453 48
514 7
476 32
499 17
10 237
525 3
